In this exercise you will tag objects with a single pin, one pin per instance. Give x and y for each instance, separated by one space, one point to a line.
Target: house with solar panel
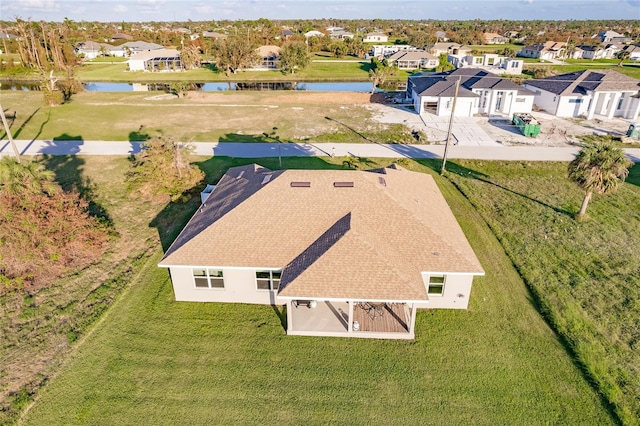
348 253
156 60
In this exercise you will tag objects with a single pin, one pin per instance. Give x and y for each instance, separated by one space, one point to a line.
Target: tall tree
379 72
294 56
444 64
622 56
233 53
598 168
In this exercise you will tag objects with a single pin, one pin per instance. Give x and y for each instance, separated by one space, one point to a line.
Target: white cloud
201 10
120 8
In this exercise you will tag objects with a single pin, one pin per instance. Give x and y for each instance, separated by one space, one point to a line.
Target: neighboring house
607 51
480 92
612 36
269 58
587 93
92 49
449 49
341 34
634 52
375 38
156 60
441 36
546 51
286 33
213 34
350 253
313 33
384 50
182 30
494 38
488 62
121 36
8 36
135 47
413 60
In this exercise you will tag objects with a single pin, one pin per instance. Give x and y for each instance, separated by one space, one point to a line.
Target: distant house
546 51
269 58
213 34
607 51
182 30
313 33
92 49
480 92
449 49
121 36
349 253
384 50
7 36
413 60
375 38
587 93
135 47
441 36
612 36
634 51
493 38
156 60
341 34
489 62
286 33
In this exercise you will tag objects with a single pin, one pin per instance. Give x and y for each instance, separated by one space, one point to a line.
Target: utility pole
6 128
453 110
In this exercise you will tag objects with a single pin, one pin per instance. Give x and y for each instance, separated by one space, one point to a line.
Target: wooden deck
381 317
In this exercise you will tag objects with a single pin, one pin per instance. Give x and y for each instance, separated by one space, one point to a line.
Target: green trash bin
528 125
634 131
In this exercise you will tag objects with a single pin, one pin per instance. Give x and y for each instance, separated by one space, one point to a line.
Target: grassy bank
219 116
585 275
156 361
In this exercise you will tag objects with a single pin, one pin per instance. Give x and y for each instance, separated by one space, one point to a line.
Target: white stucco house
545 51
480 92
413 60
384 50
588 93
489 62
156 60
376 37
349 253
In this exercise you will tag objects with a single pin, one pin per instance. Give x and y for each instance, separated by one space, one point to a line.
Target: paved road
257 150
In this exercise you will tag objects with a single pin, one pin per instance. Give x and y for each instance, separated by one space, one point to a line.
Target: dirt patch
283 98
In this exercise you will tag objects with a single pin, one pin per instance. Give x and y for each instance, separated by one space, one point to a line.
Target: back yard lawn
156 361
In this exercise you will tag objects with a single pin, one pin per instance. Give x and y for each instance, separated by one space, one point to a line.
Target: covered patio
382 320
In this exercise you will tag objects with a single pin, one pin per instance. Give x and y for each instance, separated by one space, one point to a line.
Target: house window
621 101
208 278
436 285
520 99
268 280
575 101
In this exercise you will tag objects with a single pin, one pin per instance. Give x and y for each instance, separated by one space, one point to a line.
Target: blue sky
206 10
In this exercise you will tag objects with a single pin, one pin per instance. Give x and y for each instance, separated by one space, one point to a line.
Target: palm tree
622 55
22 179
598 168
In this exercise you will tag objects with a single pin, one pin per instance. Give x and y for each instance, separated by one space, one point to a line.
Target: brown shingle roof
368 242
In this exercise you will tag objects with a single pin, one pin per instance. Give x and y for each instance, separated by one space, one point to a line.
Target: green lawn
585 275
155 361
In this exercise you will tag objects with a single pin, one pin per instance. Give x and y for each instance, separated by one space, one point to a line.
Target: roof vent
240 175
382 181
343 184
266 179
301 184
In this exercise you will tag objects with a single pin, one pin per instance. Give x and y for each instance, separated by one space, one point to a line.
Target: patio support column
350 325
289 307
412 325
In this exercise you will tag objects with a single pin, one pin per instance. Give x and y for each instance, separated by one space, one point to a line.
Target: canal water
338 86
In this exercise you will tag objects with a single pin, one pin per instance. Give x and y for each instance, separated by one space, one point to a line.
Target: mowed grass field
200 117
152 360
584 275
